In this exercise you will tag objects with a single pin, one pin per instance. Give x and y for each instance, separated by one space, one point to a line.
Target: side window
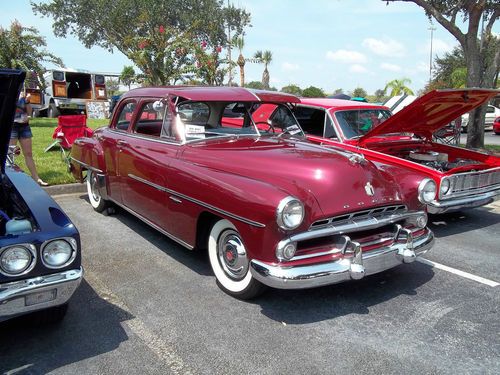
150 119
490 109
330 129
311 120
125 116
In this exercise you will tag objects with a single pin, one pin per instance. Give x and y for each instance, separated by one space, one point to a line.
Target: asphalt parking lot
148 305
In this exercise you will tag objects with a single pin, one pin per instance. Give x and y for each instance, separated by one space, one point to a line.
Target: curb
75 188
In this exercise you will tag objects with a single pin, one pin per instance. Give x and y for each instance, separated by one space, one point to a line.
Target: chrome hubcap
232 255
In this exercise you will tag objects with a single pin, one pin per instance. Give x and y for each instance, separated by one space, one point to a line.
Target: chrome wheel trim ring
232 255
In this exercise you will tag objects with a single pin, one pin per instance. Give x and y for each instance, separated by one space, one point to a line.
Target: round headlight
426 191
445 186
15 260
290 213
57 254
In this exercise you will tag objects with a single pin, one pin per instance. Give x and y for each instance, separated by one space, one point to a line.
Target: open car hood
432 111
10 85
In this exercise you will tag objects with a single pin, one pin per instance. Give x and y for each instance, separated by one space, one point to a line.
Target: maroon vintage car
271 208
465 178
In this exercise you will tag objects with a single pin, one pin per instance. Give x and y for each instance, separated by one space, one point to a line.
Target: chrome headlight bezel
284 207
444 187
29 248
70 241
423 190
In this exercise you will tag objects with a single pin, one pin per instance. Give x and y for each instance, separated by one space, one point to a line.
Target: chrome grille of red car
353 216
474 182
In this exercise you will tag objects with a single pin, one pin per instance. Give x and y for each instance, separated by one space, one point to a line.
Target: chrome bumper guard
60 287
460 203
353 265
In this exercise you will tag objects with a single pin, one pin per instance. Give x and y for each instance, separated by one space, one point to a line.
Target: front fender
248 203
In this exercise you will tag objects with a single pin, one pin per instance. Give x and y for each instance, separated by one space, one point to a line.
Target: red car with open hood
465 178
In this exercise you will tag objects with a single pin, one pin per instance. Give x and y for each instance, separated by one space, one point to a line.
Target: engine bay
438 160
15 216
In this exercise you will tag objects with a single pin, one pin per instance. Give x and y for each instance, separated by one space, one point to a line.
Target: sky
329 44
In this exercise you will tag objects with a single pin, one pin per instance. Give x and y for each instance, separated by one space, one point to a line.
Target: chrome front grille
474 182
374 213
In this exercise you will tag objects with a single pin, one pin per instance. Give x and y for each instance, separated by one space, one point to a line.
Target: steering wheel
270 127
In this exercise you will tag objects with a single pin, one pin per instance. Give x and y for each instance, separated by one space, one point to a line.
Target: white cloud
289 67
390 67
345 56
386 47
356 68
423 67
439 47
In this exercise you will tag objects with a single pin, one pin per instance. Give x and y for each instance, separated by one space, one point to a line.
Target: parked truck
67 91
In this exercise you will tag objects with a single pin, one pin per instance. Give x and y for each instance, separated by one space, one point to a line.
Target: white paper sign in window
195 131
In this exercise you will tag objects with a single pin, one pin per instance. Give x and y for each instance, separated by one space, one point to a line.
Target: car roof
339 103
210 93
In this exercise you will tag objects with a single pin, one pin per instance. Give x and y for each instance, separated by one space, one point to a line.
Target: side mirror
158 106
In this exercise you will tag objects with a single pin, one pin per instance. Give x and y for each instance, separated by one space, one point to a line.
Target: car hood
10 85
431 112
337 179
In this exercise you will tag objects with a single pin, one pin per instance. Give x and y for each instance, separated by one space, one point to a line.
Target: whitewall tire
95 199
230 263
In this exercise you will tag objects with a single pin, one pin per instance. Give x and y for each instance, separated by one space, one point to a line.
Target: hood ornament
370 191
357 159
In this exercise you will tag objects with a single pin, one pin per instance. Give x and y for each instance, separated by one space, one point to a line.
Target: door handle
121 142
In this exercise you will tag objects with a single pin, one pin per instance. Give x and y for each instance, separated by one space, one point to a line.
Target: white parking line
467 275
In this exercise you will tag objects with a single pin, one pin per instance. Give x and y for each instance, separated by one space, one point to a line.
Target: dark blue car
40 252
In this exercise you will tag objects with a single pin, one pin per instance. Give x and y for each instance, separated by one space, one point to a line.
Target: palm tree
398 87
264 58
239 42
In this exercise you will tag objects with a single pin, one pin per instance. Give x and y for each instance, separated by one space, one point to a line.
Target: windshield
202 120
355 123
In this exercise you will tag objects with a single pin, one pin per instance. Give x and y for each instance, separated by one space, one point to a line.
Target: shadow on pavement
302 306
91 327
445 225
355 297
195 260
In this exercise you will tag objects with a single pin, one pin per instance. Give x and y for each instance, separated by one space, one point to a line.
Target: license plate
36 298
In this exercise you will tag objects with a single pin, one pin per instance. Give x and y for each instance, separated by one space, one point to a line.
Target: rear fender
87 154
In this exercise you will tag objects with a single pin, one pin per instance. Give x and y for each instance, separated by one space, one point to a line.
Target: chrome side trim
153 225
200 203
97 170
12 295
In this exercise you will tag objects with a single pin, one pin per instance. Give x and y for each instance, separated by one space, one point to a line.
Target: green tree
379 95
23 48
127 76
398 87
210 68
159 36
313 92
359 92
264 58
292 89
480 46
445 66
255 85
112 86
239 42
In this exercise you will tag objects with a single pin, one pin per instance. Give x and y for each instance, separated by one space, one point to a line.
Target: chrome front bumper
59 287
460 203
350 266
